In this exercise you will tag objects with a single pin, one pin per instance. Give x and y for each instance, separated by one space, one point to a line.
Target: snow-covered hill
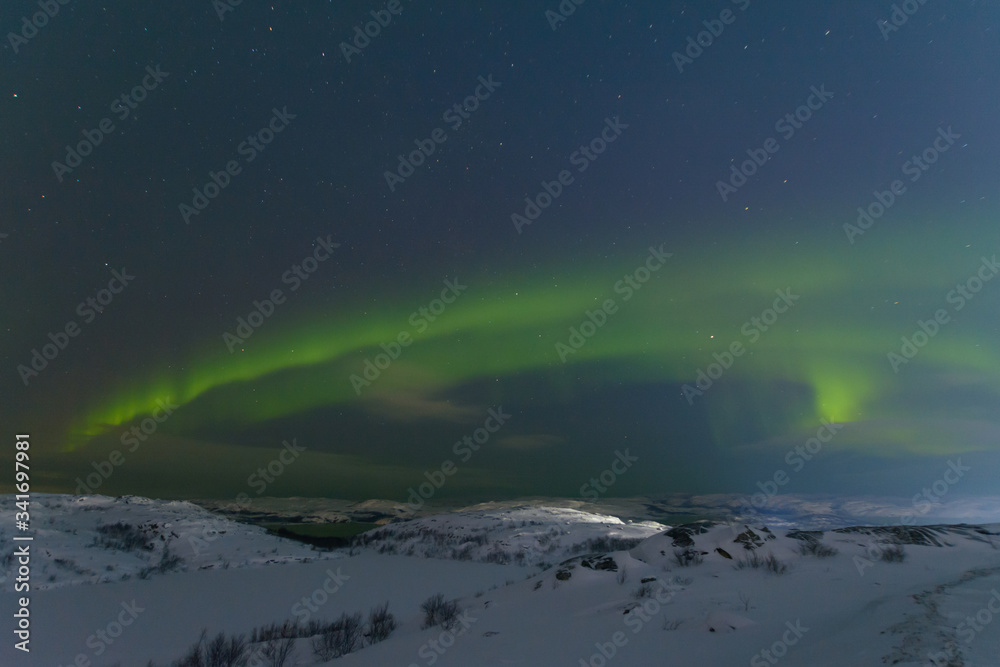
97 539
523 535
618 593
782 510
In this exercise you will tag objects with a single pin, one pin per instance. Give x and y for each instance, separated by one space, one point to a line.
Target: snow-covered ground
524 535
82 539
615 592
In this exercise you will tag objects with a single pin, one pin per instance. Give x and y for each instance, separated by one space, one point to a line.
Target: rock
600 562
751 540
681 535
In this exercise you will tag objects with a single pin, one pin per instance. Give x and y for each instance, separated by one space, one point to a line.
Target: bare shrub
219 652
688 557
222 652
195 655
606 544
773 565
437 611
644 591
121 536
381 623
168 562
893 554
751 561
818 549
277 651
339 638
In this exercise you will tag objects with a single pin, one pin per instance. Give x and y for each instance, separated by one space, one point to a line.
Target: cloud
407 406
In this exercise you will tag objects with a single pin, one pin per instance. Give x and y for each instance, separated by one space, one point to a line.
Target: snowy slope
524 535
97 539
697 594
849 608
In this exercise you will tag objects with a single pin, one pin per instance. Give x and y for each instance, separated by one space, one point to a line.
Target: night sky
701 233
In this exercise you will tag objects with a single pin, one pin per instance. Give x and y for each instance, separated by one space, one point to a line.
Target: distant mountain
788 510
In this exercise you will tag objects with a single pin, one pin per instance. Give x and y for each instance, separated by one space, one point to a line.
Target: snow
632 606
66 527
526 535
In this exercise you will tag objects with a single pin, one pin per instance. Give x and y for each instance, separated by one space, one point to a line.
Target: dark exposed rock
722 552
751 540
681 535
805 535
592 562
599 562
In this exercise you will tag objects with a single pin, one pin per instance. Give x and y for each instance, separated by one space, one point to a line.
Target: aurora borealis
848 278
284 373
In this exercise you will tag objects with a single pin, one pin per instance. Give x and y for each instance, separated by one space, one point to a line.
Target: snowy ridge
525 535
98 539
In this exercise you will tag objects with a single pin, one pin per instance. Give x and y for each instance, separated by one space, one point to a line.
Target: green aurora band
855 303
